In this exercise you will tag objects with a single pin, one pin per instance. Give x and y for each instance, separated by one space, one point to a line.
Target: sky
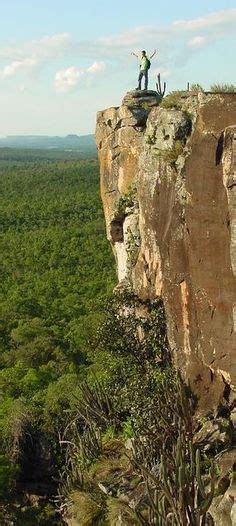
61 61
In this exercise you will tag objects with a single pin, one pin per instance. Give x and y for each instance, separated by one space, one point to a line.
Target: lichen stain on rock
182 164
185 314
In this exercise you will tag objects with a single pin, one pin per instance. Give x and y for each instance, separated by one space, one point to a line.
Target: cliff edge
168 185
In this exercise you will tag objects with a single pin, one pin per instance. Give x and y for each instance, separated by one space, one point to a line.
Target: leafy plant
127 318
127 202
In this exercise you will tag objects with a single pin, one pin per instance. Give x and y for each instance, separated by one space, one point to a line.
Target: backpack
148 63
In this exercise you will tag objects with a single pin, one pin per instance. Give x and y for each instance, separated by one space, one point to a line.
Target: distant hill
82 143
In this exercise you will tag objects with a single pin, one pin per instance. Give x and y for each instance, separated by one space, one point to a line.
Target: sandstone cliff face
168 184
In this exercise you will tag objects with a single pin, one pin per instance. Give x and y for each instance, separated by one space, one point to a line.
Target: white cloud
56 41
68 79
21 88
28 55
44 47
213 24
197 42
213 20
176 43
11 69
41 50
128 38
97 67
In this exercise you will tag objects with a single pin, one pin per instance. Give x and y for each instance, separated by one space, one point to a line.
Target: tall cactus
187 490
160 91
180 494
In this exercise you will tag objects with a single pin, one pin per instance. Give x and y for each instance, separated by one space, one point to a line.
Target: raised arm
132 53
154 53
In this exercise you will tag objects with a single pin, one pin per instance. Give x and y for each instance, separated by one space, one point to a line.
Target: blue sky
61 61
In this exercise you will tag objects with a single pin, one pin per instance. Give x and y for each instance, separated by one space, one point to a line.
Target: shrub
127 201
120 513
133 327
223 88
171 155
138 396
173 100
85 510
16 418
37 513
196 88
130 361
8 473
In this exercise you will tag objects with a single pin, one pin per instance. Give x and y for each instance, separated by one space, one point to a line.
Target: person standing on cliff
144 67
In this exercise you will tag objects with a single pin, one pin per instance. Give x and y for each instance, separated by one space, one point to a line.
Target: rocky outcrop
168 185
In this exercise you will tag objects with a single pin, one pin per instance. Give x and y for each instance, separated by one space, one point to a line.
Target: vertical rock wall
168 184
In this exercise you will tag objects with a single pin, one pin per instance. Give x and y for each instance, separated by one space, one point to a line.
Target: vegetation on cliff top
223 88
175 99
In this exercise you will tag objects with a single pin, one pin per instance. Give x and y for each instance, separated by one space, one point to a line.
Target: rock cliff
168 185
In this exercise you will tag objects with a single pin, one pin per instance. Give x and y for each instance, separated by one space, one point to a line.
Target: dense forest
57 272
96 426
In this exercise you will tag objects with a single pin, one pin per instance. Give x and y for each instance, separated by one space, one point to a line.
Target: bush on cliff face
85 510
128 374
133 328
131 357
136 391
171 155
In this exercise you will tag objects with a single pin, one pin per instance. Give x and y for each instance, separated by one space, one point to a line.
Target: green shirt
144 63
